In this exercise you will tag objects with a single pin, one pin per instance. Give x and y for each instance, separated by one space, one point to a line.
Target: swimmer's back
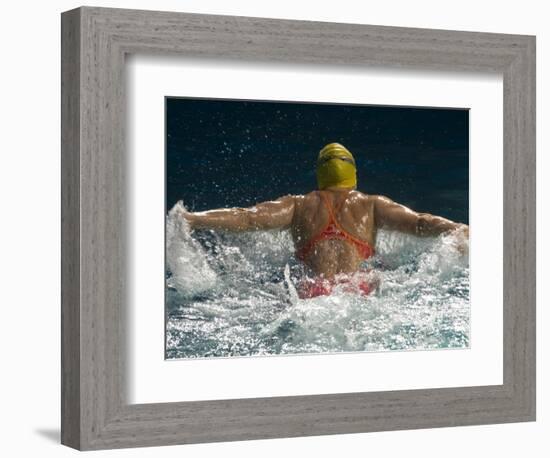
353 212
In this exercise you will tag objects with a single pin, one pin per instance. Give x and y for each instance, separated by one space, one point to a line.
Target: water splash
233 294
185 257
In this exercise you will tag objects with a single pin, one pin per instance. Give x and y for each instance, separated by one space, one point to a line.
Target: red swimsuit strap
364 247
331 212
332 230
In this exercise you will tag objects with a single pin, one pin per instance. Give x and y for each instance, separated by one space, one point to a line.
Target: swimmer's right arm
391 215
275 214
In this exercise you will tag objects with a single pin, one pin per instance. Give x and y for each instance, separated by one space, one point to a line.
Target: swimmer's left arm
275 214
391 215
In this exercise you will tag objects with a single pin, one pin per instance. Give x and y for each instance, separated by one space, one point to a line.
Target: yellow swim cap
336 167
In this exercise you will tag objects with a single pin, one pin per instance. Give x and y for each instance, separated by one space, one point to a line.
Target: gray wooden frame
95 413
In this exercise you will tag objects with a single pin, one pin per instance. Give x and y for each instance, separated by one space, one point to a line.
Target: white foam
185 257
235 295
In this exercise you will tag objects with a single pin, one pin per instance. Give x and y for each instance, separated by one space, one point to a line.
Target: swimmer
334 227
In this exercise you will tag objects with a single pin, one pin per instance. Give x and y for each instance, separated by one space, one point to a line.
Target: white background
155 380
29 237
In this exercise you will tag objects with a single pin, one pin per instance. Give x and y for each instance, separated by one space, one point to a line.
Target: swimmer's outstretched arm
276 214
391 215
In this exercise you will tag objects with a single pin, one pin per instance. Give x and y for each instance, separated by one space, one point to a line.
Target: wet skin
359 214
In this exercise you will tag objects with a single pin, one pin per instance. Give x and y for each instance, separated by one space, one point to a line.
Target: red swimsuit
333 230
320 286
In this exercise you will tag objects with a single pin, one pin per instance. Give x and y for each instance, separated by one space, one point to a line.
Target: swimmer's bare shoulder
305 201
310 195
305 205
364 201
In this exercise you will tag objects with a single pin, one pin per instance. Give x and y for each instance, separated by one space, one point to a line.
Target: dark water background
224 153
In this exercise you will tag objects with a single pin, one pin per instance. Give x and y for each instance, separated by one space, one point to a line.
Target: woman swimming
333 228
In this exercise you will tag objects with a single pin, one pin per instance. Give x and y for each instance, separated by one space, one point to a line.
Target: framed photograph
326 268
278 228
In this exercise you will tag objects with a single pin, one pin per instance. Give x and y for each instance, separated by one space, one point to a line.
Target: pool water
234 294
